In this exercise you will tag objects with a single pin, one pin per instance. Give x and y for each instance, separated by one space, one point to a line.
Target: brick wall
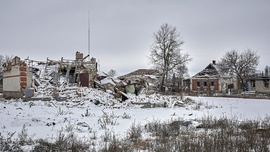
202 86
16 80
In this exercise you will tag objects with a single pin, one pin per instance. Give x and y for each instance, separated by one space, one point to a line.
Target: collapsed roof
209 71
140 72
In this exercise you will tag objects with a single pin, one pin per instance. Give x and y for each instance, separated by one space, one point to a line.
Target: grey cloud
122 31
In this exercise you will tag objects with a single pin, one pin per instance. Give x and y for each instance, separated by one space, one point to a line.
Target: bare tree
112 73
1 64
240 64
181 71
5 59
266 71
1 60
166 52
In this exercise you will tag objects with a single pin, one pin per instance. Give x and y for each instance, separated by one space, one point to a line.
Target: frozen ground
44 119
235 107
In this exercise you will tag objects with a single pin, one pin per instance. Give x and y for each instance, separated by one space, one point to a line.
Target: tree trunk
240 84
162 82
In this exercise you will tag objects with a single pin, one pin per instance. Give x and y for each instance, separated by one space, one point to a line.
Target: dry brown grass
215 134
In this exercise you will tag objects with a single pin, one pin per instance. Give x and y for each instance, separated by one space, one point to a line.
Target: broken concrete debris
130 88
65 79
137 82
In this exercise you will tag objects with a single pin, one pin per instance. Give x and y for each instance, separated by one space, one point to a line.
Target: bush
7 144
135 132
63 142
215 134
23 138
107 119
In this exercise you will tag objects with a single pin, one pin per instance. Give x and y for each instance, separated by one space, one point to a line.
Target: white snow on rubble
82 110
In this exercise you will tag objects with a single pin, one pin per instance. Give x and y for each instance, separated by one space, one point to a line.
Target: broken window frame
253 83
212 83
266 83
230 86
198 83
205 84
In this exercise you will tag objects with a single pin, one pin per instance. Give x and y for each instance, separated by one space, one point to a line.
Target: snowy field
44 119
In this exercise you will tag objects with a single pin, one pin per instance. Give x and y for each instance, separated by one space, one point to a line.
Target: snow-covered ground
44 119
235 107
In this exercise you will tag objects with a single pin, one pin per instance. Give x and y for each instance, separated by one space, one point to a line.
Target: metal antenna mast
89 34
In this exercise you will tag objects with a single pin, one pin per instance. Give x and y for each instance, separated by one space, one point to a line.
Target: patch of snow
107 81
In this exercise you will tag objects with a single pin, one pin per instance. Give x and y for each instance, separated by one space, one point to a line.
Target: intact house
209 81
17 78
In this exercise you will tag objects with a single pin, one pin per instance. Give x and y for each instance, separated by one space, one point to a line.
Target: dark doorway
84 79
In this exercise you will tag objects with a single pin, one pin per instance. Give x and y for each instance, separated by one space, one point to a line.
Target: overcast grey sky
122 30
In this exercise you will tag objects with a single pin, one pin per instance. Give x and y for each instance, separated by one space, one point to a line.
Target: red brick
22 68
23 78
23 74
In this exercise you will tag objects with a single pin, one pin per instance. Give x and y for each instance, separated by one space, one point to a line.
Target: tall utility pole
89 34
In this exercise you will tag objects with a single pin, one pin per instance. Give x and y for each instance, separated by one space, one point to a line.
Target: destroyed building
20 77
80 71
146 80
47 79
259 82
142 81
17 78
150 75
108 83
209 81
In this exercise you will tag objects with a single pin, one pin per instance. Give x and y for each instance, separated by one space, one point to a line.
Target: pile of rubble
49 83
78 81
108 90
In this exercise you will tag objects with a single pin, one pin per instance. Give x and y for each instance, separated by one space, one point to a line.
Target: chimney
214 62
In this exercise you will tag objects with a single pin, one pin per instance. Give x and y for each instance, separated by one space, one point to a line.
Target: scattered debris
78 81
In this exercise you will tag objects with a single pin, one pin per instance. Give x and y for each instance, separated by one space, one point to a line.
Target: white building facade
17 77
